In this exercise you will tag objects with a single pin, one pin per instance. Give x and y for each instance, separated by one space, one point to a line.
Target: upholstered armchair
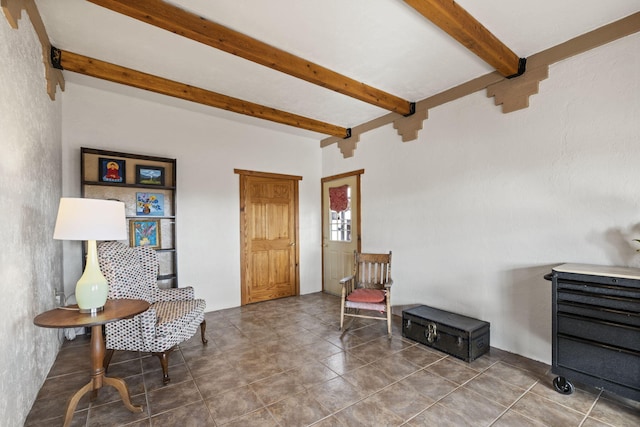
174 314
368 289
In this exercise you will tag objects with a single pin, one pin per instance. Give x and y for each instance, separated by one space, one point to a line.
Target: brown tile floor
284 363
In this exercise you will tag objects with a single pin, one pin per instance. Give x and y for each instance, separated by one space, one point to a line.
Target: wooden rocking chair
368 288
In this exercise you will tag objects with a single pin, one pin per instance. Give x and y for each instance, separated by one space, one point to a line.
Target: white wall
207 149
483 204
30 181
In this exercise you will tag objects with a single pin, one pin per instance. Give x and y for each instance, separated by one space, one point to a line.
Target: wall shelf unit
147 186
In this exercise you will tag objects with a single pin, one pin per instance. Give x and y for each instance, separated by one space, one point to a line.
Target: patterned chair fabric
174 314
368 288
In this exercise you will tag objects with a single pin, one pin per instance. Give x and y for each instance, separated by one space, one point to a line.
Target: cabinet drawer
602 313
599 361
625 337
617 288
618 303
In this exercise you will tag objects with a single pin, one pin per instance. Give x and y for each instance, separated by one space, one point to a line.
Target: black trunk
460 336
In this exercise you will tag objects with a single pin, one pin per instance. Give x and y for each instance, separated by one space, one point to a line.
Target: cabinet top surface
600 270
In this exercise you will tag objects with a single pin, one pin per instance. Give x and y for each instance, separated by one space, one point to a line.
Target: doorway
341 234
269 251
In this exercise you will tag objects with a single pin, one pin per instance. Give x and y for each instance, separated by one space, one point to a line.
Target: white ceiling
383 43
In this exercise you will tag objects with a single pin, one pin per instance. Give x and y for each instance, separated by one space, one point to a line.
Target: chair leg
164 362
203 328
388 313
342 314
107 359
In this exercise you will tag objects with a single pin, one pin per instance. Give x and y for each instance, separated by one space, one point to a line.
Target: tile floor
284 363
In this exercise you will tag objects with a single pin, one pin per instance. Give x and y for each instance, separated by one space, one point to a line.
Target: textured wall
483 204
30 185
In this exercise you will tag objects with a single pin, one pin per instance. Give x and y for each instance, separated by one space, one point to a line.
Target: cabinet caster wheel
562 386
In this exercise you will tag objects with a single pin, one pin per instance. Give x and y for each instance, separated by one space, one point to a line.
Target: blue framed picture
145 232
149 204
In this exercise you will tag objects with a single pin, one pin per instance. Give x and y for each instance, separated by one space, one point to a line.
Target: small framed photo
111 170
149 175
149 204
145 232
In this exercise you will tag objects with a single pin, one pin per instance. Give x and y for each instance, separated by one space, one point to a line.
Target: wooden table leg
71 407
97 356
98 379
122 388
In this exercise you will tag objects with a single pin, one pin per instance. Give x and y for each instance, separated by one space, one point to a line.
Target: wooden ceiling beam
103 70
194 27
463 27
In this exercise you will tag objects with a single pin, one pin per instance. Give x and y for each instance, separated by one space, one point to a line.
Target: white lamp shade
90 219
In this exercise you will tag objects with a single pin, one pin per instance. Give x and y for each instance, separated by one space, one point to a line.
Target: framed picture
151 204
145 232
111 170
149 175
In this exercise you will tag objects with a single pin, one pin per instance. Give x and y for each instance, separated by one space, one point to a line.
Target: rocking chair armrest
348 284
346 280
388 284
175 294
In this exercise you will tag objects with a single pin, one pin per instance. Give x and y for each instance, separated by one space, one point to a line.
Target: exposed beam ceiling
463 27
194 27
103 70
386 43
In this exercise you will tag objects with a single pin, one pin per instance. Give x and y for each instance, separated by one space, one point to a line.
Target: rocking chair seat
367 296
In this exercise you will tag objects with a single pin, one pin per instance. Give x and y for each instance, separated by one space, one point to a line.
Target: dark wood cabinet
147 186
596 328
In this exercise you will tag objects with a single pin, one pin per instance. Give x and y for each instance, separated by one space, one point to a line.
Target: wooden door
269 235
340 230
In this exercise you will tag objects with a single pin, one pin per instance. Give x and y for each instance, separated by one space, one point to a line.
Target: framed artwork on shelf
111 170
149 175
145 232
149 204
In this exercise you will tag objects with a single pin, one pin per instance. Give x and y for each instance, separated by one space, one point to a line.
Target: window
340 222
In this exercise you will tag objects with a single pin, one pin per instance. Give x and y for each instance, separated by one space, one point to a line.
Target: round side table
70 317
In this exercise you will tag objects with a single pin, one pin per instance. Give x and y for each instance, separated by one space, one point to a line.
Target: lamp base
92 288
92 311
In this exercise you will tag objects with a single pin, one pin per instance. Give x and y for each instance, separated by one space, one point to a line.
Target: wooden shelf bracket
13 12
513 94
